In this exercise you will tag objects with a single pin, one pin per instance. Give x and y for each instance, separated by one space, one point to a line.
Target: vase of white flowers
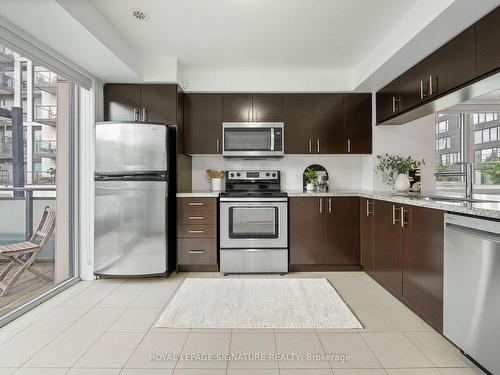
394 170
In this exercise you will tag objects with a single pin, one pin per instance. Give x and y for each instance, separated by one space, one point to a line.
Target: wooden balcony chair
24 254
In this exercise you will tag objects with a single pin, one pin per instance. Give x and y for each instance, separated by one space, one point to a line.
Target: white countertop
198 194
486 209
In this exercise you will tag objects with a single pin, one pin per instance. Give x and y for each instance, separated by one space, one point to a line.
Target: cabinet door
423 263
329 124
160 102
487 37
366 237
307 230
237 108
299 119
388 101
203 123
451 65
268 108
413 86
342 231
358 123
120 101
387 251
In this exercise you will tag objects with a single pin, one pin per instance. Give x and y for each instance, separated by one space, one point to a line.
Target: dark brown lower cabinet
366 233
423 263
387 251
324 231
408 257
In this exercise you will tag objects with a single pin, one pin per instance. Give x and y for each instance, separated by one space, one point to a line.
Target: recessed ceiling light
139 14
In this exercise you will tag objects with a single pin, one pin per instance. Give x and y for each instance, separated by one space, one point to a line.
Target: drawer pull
196 204
196 251
196 231
196 217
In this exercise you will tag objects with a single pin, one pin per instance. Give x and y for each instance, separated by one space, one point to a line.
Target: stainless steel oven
253 139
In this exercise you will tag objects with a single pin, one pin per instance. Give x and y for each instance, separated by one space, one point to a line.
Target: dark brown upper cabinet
122 102
307 231
298 111
487 37
203 124
413 86
387 251
329 135
237 108
366 216
155 100
358 123
267 108
324 231
388 101
423 263
342 231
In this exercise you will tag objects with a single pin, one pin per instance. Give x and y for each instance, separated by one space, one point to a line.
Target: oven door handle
272 139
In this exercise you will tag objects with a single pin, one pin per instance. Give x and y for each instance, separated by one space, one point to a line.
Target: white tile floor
107 327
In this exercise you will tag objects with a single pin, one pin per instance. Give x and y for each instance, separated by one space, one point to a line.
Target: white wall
415 139
344 170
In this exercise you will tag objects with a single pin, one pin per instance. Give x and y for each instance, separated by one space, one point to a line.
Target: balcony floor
27 287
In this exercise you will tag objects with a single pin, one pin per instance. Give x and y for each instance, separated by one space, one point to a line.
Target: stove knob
231 175
238 174
267 174
274 174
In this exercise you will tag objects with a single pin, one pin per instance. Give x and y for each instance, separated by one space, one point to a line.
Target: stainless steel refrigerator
134 166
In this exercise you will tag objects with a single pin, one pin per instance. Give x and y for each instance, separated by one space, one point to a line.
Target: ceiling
242 45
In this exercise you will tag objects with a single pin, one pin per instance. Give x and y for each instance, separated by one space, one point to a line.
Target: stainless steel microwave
253 139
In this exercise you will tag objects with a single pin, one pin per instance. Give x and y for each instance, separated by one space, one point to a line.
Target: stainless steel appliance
471 288
131 198
253 139
253 223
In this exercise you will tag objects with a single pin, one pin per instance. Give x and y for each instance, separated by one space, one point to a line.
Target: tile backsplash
345 171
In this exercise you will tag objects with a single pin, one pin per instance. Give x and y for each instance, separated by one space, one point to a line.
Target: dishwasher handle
472 232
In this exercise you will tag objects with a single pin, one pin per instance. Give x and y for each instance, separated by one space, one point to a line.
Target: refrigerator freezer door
130 147
130 228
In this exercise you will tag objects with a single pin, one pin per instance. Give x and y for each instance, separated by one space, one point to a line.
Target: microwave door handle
272 139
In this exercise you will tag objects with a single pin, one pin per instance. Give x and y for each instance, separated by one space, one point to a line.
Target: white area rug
257 303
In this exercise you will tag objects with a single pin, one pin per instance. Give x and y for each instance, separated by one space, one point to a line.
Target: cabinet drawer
196 230
190 204
194 251
196 217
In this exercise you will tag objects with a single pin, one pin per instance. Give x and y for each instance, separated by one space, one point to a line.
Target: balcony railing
46 113
45 148
43 178
45 78
4 177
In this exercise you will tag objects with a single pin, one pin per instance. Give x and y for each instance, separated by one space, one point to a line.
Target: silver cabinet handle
317 144
217 146
144 114
310 145
395 103
403 222
136 114
196 231
348 144
196 204
421 89
430 86
248 114
320 205
329 205
196 251
394 219
196 217
368 212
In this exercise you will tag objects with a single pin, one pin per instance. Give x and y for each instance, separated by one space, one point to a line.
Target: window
442 127
473 137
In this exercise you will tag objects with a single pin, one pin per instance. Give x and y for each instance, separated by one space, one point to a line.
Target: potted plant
311 176
394 170
52 174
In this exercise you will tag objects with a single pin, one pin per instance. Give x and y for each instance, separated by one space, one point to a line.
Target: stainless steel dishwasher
472 288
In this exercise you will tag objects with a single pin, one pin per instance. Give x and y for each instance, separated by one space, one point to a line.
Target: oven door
253 224
247 139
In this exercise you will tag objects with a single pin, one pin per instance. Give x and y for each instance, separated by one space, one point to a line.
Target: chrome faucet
468 174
